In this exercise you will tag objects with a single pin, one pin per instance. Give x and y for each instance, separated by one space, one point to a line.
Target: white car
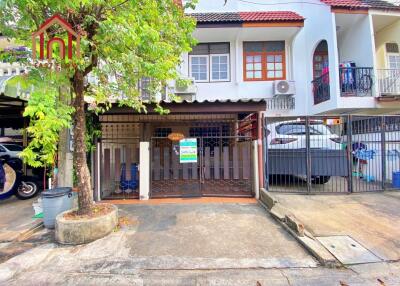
292 135
10 149
287 145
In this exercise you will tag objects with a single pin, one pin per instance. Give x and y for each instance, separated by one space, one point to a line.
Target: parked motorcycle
14 182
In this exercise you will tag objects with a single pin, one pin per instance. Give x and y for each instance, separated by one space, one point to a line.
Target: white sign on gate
188 150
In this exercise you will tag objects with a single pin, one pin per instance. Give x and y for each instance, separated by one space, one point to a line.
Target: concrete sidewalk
189 244
16 218
371 219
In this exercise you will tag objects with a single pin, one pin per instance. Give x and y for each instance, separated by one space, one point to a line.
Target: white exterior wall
355 42
300 44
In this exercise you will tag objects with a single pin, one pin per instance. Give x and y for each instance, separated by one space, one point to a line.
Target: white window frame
228 68
388 59
208 66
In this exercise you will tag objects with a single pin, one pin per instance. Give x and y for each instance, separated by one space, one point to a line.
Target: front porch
138 156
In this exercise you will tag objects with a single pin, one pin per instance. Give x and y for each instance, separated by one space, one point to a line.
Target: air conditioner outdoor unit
284 87
189 88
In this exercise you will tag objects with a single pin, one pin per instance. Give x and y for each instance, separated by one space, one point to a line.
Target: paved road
208 244
372 219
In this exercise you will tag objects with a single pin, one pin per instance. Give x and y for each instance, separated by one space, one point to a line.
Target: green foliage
93 130
48 116
122 41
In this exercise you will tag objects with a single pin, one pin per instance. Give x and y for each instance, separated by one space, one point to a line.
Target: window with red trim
264 60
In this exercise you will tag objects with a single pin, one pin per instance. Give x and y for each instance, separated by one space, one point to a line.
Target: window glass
392 48
13 147
252 47
264 60
199 68
2 149
253 67
219 65
394 61
278 46
220 48
274 66
210 60
300 129
200 49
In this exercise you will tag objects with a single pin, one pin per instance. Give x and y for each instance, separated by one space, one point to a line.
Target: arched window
320 59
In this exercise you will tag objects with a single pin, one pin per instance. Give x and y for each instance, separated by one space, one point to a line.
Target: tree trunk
85 195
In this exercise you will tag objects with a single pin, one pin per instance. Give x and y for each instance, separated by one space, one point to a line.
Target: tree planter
85 230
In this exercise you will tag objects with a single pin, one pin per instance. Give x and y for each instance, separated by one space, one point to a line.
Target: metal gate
119 159
332 154
223 168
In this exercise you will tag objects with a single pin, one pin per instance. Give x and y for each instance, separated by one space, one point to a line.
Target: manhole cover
347 250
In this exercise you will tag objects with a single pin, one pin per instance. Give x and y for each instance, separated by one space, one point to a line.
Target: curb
297 229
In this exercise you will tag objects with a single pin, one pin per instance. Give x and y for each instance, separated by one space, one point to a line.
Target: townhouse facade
337 56
254 59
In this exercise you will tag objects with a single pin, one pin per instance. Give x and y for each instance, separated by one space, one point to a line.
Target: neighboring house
331 52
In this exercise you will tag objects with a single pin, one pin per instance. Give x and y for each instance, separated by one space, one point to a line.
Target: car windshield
300 129
13 147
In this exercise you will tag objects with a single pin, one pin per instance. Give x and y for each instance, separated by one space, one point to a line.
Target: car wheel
320 180
26 190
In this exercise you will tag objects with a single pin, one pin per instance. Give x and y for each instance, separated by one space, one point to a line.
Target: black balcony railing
321 88
356 81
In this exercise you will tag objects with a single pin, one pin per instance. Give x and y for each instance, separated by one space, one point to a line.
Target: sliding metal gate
223 168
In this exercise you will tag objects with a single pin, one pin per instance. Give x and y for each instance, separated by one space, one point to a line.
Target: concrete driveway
372 219
210 236
186 244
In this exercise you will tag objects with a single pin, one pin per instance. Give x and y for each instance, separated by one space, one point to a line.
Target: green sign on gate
188 150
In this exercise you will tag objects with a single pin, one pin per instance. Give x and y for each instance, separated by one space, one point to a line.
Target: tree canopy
122 42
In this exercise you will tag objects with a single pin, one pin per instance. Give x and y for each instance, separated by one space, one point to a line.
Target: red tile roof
270 16
247 17
364 4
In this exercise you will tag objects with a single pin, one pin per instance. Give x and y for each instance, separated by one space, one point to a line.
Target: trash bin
396 180
54 202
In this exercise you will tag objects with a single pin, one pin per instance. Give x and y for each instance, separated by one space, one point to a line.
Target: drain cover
347 250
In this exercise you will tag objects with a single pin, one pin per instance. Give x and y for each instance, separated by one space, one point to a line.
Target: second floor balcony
353 82
388 82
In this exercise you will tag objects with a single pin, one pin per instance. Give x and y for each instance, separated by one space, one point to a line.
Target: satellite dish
283 86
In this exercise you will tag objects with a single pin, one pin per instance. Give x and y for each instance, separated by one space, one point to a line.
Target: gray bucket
54 202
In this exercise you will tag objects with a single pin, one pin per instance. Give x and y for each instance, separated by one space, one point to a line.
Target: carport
12 104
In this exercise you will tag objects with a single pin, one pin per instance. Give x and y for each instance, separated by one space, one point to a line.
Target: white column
144 171
256 184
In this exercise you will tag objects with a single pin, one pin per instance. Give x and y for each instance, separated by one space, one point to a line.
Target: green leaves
49 114
122 42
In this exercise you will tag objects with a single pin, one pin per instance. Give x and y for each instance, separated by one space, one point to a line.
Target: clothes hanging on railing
347 76
325 71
